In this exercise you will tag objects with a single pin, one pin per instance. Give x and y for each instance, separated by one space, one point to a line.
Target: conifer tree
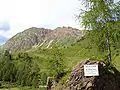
100 17
57 65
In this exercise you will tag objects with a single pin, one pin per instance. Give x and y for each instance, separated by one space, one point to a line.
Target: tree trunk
108 47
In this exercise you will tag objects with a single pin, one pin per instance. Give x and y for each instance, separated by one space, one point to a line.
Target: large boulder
105 81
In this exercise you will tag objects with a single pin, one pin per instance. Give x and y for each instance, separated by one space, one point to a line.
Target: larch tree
101 18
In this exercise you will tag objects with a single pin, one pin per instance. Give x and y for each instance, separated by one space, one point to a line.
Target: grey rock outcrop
105 81
43 38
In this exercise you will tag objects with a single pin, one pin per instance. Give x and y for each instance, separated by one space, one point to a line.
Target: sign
91 70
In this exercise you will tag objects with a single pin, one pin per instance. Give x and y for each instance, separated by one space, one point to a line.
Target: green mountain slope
32 68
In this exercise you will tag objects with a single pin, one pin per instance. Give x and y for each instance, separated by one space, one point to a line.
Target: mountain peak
42 38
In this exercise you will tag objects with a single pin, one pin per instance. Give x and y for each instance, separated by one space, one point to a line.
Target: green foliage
29 69
98 17
32 68
22 72
56 61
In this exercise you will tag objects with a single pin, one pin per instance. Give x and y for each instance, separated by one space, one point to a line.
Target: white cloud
22 14
116 1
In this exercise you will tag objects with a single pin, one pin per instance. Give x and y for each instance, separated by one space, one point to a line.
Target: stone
105 81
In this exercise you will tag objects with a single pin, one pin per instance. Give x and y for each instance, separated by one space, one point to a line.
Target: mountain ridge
41 37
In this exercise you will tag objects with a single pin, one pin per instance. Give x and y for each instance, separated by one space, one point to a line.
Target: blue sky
2 40
4 26
18 15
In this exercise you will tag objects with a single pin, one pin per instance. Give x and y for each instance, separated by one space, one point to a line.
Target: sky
18 15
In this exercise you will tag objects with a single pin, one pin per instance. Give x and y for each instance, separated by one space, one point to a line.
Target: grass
24 88
72 55
13 86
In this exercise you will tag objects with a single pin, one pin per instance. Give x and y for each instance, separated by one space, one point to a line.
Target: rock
49 83
105 81
33 38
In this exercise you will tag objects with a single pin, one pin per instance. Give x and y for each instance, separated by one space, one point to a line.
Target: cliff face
40 37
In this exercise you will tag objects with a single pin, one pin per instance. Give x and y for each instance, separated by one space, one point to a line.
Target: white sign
91 70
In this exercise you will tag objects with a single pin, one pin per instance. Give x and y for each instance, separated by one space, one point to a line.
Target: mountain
41 37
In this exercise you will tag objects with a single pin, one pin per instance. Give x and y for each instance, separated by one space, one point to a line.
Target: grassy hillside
32 68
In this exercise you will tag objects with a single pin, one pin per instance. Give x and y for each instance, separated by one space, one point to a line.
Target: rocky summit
43 38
